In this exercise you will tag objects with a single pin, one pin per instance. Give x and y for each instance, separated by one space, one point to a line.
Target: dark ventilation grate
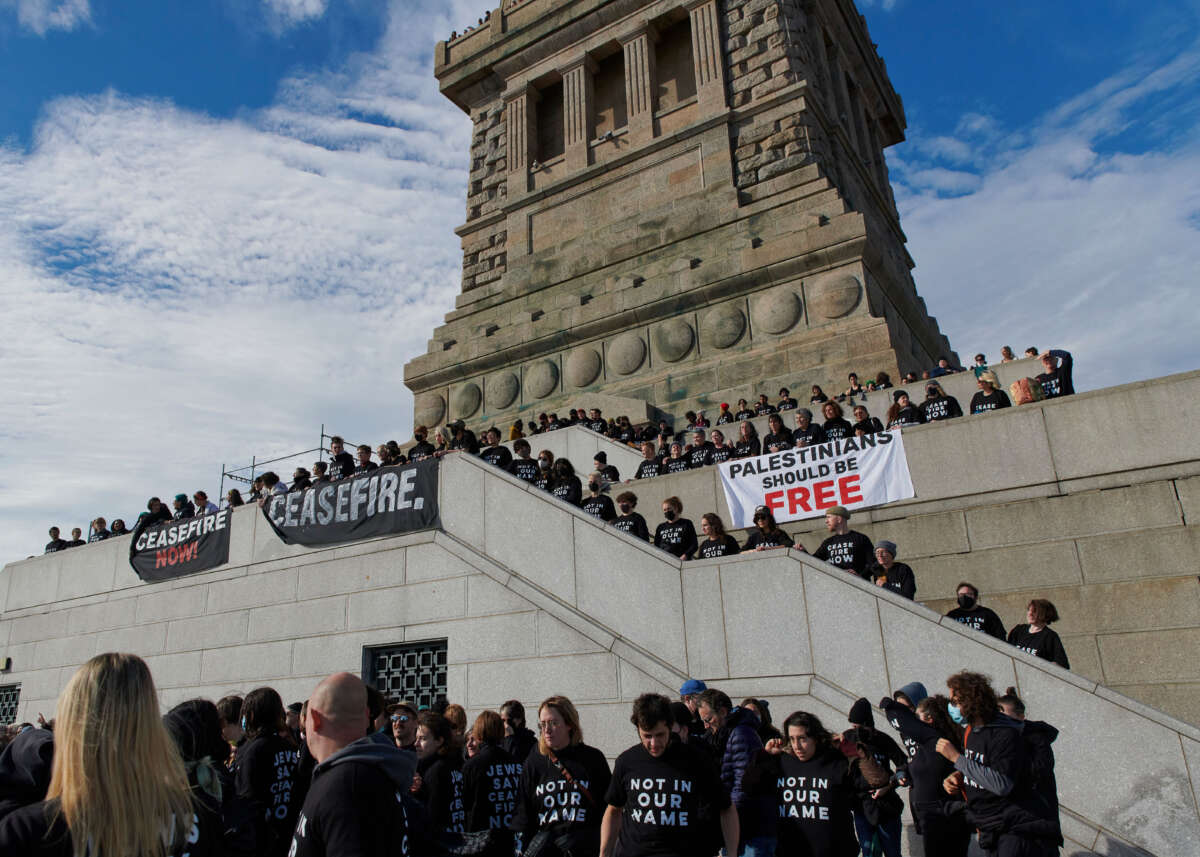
414 672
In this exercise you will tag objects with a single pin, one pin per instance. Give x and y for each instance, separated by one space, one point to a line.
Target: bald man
354 807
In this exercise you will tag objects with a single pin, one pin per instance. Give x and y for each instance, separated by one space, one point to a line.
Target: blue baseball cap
692 685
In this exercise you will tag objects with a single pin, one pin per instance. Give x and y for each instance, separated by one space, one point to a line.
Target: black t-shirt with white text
662 800
699 456
776 539
812 435
720 453
981 619
648 469
442 792
1044 644
676 537
360 469
777 441
341 465
490 781
748 448
56 545
744 414
853 551
837 428
421 450
993 401
786 404
497 456
599 507
525 469
763 408
569 490
262 772
940 408
726 545
814 801
634 524
909 415
547 801
676 465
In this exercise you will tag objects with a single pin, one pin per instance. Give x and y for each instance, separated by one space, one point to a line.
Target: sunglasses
400 718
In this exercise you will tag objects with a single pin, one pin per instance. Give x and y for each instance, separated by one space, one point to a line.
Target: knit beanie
860 713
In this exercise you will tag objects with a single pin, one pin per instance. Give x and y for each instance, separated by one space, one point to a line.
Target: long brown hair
117 776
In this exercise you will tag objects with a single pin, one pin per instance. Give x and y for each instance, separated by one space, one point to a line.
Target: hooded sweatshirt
262 771
358 805
25 769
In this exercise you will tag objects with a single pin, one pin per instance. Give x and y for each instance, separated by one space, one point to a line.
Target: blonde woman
118 785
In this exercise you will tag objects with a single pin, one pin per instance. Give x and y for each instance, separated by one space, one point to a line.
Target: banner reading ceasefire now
802 483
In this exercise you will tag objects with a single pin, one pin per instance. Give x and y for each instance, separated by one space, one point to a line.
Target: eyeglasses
547 725
400 718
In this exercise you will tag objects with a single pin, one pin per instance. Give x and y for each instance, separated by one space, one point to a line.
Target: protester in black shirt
778 438
725 416
119 529
491 778
939 816
763 407
566 485
462 438
970 613
439 769
364 464
661 792
872 753
719 542
747 445
300 479
495 454
836 427
883 381
938 406
598 504
112 699
649 465
989 397
156 512
519 740
885 572
358 803
818 396
809 783
98 531
76 538
630 521
608 471
847 549
786 402
1037 736
563 785
263 770
743 411
700 455
341 464
523 466
422 448
807 432
675 535
903 412
718 450
864 422
676 463
855 388
545 479
1036 637
993 774
183 507
1056 380
55 543
766 533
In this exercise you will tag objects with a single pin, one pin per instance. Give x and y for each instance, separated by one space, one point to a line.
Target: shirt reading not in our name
661 800
634 524
710 548
814 801
525 469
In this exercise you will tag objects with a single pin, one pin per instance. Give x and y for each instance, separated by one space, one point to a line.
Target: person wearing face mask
808 782
649 465
630 521
970 613
422 448
992 773
598 504
939 817
675 535
566 485
545 477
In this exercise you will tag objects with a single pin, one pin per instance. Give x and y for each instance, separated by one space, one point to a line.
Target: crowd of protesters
345 773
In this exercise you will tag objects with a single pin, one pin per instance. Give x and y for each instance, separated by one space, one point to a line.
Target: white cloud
950 182
1066 240
296 11
181 291
42 16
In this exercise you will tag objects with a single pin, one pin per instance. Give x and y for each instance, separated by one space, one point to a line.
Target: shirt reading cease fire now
854 472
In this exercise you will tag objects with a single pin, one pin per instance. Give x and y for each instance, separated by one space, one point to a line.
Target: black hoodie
262 774
358 804
927 768
25 769
520 744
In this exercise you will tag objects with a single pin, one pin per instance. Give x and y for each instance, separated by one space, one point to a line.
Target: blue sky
226 222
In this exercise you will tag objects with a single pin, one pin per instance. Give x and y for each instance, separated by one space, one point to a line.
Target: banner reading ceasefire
856 472
182 547
384 502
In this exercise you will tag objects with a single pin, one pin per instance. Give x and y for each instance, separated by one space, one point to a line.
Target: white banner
857 472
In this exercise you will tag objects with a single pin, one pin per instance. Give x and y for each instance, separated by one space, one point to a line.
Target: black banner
384 502
177 548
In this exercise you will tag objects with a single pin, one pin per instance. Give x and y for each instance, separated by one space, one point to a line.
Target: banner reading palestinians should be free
384 502
800 483
178 548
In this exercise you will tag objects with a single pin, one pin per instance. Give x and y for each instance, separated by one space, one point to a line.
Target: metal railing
257 467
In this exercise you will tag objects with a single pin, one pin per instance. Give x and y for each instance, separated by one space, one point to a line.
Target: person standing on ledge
1056 380
847 549
970 613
